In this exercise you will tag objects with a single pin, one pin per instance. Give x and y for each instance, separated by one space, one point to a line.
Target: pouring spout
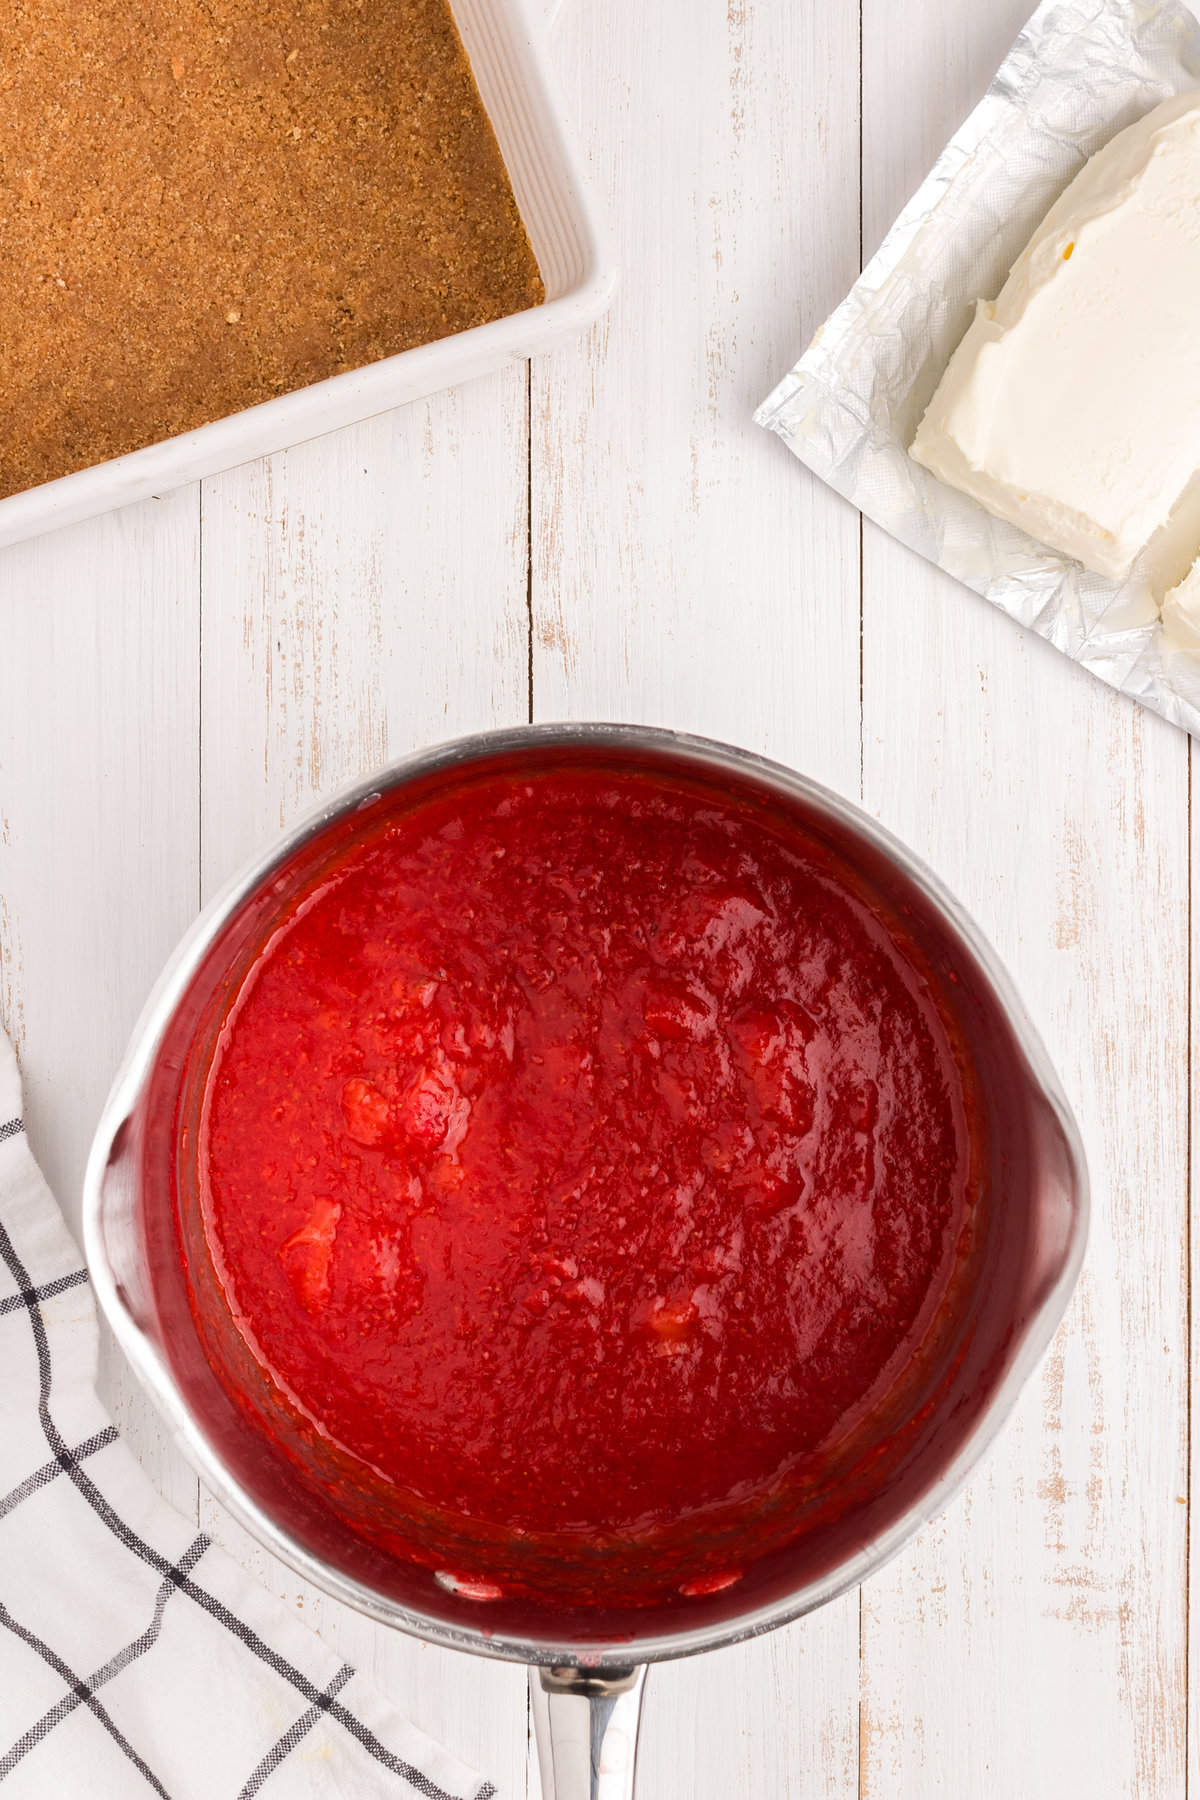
586 1723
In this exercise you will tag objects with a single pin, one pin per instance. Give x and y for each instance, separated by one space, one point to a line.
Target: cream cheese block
1072 405
1181 611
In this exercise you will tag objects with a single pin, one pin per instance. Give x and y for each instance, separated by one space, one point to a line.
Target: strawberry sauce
589 1154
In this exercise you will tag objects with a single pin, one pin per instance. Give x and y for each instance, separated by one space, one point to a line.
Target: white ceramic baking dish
504 41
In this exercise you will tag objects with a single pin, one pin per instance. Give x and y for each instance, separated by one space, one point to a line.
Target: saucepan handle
586 1725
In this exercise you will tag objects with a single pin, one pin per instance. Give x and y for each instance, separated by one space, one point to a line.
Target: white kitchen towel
135 1656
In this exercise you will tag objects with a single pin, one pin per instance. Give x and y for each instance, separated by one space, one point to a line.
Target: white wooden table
605 535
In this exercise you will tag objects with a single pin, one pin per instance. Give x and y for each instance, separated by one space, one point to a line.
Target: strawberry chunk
307 1256
426 1110
710 1584
757 1034
670 1321
711 919
366 1112
672 1010
769 1047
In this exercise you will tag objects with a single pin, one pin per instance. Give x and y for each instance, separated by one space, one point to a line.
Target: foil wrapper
1080 71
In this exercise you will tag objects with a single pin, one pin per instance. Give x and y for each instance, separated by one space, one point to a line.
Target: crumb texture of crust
207 203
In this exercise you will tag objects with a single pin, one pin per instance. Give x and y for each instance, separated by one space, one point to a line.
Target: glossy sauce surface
588 1153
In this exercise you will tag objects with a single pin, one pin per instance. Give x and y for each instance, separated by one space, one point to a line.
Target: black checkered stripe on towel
177 1578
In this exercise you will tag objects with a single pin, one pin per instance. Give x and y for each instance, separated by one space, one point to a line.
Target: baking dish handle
586 1724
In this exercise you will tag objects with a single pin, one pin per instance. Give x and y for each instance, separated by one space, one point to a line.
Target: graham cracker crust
207 203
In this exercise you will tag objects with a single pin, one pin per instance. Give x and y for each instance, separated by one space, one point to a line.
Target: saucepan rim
153 1370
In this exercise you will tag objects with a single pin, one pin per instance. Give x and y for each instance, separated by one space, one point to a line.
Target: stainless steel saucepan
586 1666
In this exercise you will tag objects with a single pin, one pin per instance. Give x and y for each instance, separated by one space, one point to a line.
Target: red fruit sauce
590 1156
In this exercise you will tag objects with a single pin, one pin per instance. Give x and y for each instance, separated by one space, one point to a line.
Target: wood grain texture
363 595
98 830
686 573
1033 1643
1193 1248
